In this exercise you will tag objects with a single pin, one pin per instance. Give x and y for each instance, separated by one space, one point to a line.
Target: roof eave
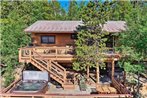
50 31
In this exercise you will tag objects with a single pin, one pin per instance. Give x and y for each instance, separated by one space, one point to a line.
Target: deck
99 91
59 54
47 58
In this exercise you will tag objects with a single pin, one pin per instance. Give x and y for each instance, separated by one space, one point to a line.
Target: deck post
124 77
30 58
65 77
112 73
56 53
97 73
30 53
20 55
87 71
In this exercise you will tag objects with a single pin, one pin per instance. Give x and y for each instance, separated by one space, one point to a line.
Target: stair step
69 86
56 71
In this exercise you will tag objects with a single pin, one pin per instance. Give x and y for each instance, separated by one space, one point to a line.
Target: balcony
60 54
52 53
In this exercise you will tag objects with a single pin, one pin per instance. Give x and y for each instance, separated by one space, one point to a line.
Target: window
74 36
48 39
32 40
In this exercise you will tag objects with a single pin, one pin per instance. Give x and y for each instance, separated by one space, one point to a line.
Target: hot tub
30 86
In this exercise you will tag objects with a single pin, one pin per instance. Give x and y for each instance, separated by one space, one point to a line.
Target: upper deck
59 54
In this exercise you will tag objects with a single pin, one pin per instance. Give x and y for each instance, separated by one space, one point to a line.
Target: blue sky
65 3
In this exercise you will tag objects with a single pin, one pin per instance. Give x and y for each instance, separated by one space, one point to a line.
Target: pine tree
91 41
73 10
133 41
55 11
121 10
22 14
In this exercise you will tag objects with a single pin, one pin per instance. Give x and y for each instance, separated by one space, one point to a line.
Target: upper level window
74 36
48 39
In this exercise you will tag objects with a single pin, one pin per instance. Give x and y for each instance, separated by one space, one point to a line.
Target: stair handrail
62 68
51 61
59 66
119 86
46 69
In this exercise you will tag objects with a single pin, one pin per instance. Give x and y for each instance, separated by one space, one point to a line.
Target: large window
48 39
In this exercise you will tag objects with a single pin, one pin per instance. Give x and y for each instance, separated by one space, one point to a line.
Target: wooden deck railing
120 87
111 53
7 94
53 53
7 89
32 95
58 53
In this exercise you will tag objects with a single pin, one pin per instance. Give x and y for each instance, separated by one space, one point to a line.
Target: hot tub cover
35 75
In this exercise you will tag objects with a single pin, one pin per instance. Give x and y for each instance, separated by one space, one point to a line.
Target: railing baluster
65 75
56 53
30 53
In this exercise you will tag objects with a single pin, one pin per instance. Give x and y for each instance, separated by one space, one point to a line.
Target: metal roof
44 26
115 26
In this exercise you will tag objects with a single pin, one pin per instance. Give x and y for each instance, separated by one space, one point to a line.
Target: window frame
48 39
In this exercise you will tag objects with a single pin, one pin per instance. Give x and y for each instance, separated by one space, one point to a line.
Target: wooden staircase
56 71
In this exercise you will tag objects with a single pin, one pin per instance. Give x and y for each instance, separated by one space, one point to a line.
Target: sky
65 3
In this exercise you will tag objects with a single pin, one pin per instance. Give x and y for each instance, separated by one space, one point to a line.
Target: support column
124 77
87 72
19 57
112 74
97 74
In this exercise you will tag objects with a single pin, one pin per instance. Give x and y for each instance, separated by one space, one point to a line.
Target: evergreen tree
14 21
133 41
55 11
73 10
91 41
121 10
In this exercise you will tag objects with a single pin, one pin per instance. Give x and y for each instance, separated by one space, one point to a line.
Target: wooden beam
87 71
124 77
97 74
112 73
18 95
8 88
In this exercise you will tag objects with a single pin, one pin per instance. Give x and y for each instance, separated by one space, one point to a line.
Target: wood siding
61 39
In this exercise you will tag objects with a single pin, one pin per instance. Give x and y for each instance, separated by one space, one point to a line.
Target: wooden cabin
61 35
53 44
52 49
